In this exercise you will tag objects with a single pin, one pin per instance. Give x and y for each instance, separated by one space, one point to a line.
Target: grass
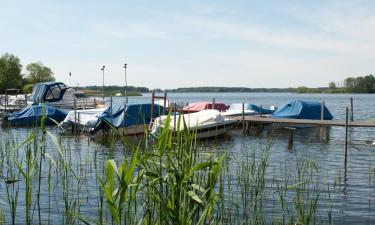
165 181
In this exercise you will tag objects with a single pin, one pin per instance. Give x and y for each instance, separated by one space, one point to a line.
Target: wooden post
213 103
351 110
322 110
346 137
174 117
111 111
152 106
95 102
75 114
243 117
164 102
291 137
25 100
260 111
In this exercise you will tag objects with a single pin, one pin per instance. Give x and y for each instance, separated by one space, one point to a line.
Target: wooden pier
289 122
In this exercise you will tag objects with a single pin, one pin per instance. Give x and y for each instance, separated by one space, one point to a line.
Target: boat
13 100
199 106
82 120
205 123
301 109
31 116
58 95
122 119
249 110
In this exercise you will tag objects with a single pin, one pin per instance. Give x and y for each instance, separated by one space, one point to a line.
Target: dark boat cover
48 92
135 114
298 109
31 116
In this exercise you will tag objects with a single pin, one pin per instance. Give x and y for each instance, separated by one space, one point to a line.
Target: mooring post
243 118
25 100
260 111
322 110
174 117
111 111
75 114
351 110
213 103
164 102
346 136
291 137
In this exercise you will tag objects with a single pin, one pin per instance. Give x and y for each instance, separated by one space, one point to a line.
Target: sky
170 44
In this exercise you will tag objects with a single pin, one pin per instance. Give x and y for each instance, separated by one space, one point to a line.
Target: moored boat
205 123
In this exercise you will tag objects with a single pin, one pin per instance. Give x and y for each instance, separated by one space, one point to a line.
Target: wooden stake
322 110
243 118
346 137
351 110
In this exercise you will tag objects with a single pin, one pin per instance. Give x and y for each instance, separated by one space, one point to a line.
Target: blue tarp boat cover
48 92
247 106
135 114
298 109
32 115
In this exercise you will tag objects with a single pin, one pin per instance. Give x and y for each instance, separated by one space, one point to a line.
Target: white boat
118 119
248 110
83 120
58 95
206 123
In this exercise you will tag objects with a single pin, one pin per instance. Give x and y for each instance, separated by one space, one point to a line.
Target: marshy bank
63 179
51 179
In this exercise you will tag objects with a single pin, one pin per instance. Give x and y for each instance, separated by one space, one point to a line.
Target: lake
351 192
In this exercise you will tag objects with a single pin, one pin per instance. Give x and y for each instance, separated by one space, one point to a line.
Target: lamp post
103 81
126 85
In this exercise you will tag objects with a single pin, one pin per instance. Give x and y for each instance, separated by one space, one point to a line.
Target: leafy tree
332 85
37 72
10 72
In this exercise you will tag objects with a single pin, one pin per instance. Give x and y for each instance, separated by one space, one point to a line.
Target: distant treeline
361 84
244 89
116 89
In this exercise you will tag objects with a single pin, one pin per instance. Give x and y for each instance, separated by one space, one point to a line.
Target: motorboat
120 119
300 109
205 123
199 106
237 109
31 116
58 95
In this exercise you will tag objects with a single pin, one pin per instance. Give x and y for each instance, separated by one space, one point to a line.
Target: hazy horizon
254 44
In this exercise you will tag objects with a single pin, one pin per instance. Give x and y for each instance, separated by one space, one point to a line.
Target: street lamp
126 86
103 81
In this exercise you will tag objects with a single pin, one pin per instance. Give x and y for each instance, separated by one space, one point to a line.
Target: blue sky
169 44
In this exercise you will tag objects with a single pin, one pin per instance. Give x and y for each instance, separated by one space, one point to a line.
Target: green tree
332 85
37 72
10 72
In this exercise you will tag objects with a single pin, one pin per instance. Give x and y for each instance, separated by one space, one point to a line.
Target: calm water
352 203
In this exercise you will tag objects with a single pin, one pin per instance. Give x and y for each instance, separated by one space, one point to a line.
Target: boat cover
31 115
192 120
135 114
85 117
250 109
199 106
48 92
298 109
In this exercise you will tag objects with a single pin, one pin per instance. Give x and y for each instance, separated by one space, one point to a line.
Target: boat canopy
32 115
199 106
135 114
249 107
298 109
48 92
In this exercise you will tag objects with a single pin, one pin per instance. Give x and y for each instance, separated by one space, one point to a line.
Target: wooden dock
289 122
